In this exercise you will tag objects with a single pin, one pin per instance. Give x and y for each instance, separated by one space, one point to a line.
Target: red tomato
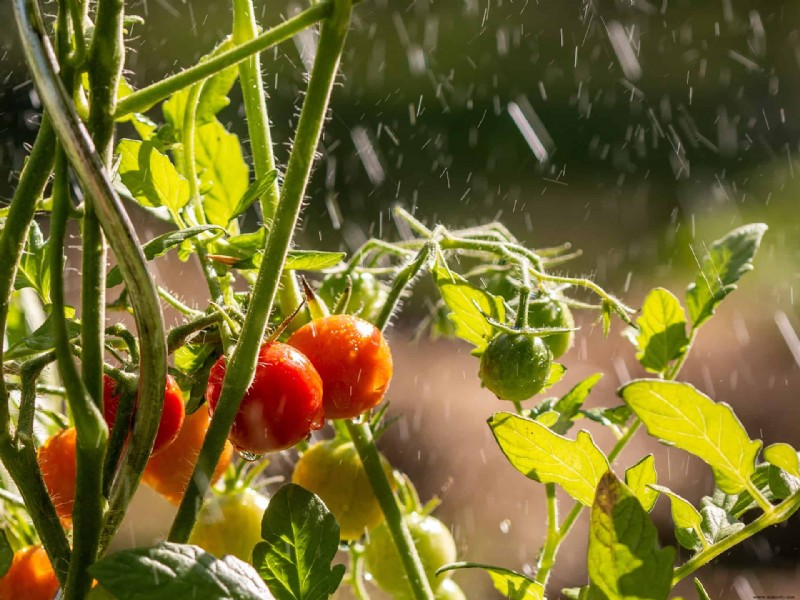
171 417
58 463
30 576
282 405
353 359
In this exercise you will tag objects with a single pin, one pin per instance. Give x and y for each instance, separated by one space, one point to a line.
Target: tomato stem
361 434
242 364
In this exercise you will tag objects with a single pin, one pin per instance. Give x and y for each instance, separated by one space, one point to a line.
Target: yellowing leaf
468 306
662 331
784 457
639 478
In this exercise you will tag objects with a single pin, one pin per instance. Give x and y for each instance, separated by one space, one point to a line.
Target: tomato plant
353 360
172 413
515 366
283 404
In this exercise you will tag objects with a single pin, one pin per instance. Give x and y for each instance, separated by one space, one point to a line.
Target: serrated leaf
468 305
784 457
679 414
223 173
539 454
302 538
160 245
40 341
662 331
701 591
150 176
685 516
169 571
624 558
717 524
726 261
640 478
568 407
512 585
6 553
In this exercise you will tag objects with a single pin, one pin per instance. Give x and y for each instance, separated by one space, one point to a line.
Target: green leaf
469 307
781 484
6 553
662 331
613 416
685 516
160 245
726 261
539 454
740 503
679 414
312 260
718 524
701 591
257 189
150 176
34 266
640 478
784 457
40 341
568 407
512 585
169 571
302 538
624 559
556 374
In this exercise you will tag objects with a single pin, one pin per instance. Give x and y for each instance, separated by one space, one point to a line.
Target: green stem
402 281
124 242
178 335
356 579
242 364
143 99
362 438
548 555
776 514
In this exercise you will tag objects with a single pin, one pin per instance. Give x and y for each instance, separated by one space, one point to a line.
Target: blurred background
637 130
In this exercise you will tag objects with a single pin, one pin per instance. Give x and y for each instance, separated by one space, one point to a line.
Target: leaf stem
362 438
242 364
404 278
145 98
553 539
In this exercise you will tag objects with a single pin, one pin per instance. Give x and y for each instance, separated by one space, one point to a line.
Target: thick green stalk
146 97
105 60
87 515
362 438
258 127
124 242
242 364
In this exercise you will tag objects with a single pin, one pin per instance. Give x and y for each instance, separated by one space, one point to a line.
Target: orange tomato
58 464
169 471
30 576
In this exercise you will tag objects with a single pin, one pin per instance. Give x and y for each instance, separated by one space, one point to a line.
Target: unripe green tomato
367 295
334 472
449 590
230 524
515 366
435 546
553 313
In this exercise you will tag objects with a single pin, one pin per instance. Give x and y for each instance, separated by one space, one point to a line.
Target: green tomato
367 295
230 524
449 590
515 366
435 546
553 313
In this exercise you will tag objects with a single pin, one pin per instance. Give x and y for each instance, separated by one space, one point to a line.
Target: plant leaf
568 407
679 414
6 553
257 189
169 571
718 524
685 516
34 266
160 245
223 173
302 538
538 453
640 478
727 260
624 558
556 374
701 591
784 457
512 585
468 306
40 341
662 331
150 177
312 260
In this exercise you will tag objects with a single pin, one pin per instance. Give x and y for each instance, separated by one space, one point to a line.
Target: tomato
230 523
449 590
30 576
515 366
353 359
435 546
551 312
58 462
367 295
171 416
334 472
282 405
169 472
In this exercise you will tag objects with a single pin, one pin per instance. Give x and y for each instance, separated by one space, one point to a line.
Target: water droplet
505 525
250 456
